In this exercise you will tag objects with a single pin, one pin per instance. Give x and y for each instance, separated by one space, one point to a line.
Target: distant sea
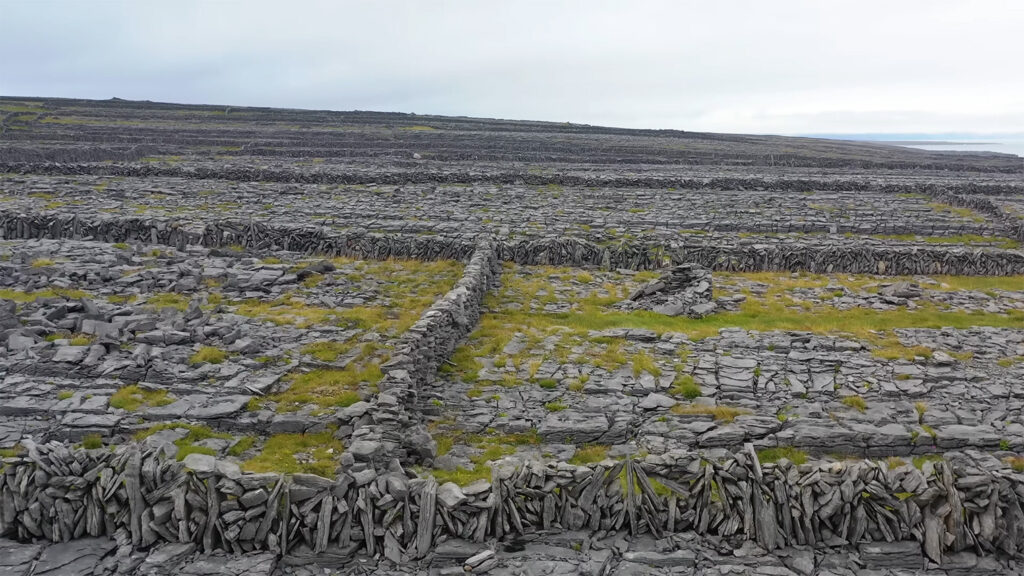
1006 143
1004 146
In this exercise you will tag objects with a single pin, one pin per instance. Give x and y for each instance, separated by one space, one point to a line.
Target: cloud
739 66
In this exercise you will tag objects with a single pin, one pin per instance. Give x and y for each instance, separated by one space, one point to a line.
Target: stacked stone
1012 224
749 257
57 494
880 260
252 235
719 256
73 154
413 172
397 429
684 290
578 252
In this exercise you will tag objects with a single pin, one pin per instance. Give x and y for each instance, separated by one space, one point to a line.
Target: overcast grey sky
789 67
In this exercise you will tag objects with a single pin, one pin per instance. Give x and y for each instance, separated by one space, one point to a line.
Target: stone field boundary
58 494
855 259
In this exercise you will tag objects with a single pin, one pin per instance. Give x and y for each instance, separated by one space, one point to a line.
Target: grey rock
365 449
165 559
200 462
71 354
74 558
450 495
655 401
685 558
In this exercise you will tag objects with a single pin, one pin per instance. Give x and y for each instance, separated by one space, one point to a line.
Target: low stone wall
882 260
789 257
253 235
56 494
22 152
1013 225
397 430
416 172
810 256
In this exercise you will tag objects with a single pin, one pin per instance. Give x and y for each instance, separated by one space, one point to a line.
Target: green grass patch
760 316
1009 361
326 387
920 408
121 299
493 444
1015 462
965 213
132 398
168 300
208 355
794 455
32 107
589 454
327 351
22 297
287 310
186 444
611 358
890 348
319 453
548 384
81 340
720 412
685 386
643 362
855 402
18 450
462 476
243 445
92 442
921 459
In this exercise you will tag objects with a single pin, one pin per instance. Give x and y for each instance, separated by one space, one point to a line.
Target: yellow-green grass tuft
168 300
92 442
685 386
855 402
794 455
589 454
132 398
208 355
719 412
319 454
327 387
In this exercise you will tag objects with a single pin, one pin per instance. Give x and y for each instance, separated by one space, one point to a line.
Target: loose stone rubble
247 341
684 290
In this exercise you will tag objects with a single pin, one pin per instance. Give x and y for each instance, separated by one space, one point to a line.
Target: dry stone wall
742 257
412 171
397 430
944 507
251 235
1012 224
635 255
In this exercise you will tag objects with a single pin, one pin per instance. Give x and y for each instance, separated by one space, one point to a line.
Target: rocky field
255 341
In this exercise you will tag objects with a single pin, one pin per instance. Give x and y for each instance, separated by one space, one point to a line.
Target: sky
781 67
